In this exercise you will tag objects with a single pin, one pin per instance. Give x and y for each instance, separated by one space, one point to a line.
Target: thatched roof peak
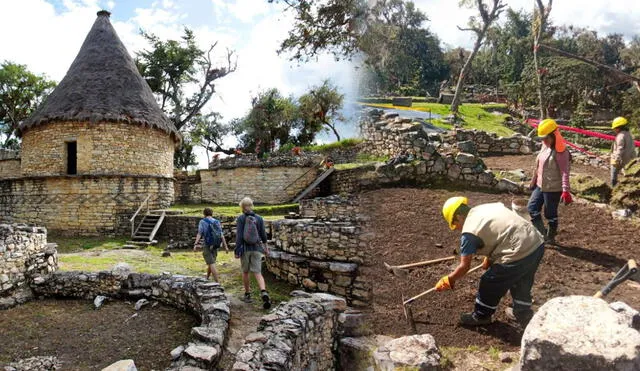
102 84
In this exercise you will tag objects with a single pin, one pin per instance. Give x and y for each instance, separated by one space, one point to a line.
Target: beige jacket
622 150
506 236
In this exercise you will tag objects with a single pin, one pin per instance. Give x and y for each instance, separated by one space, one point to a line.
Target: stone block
408 352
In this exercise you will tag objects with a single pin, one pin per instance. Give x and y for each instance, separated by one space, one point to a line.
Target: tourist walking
210 230
251 245
513 249
550 180
622 150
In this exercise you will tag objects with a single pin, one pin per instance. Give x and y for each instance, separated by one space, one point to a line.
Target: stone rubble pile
40 363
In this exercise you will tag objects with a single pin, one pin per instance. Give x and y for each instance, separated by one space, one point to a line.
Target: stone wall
301 334
269 185
102 148
187 188
81 205
491 144
205 299
23 253
324 254
333 208
182 229
9 168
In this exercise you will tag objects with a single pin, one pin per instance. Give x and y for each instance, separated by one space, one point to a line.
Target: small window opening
72 158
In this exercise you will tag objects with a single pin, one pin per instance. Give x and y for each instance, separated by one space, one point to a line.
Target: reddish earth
408 225
86 339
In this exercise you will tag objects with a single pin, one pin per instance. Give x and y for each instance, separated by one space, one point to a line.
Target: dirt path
408 224
526 163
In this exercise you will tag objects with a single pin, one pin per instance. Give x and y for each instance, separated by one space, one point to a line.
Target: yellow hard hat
450 207
618 121
546 127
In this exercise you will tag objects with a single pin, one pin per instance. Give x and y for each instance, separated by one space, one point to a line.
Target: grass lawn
476 115
97 254
269 212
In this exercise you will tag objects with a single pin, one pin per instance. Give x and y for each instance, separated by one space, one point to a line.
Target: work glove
566 197
486 263
444 284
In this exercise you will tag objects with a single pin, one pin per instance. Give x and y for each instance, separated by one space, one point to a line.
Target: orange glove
444 284
486 263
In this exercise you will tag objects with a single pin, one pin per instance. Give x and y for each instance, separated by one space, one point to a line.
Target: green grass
344 143
352 165
476 115
98 254
77 244
268 211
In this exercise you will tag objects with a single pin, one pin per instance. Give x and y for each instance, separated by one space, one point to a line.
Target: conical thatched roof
102 84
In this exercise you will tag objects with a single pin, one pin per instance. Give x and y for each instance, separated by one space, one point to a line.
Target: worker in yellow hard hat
513 249
623 149
550 180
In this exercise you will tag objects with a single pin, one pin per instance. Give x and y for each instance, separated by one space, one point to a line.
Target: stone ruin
324 251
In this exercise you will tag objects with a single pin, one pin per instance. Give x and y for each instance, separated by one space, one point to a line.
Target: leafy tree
271 119
324 26
171 67
319 108
540 20
184 156
479 26
21 92
208 132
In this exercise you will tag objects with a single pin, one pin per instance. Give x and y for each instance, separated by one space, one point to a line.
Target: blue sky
46 36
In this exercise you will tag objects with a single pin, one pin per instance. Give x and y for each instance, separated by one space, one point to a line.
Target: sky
46 35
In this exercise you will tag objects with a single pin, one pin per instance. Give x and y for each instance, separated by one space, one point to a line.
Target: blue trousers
550 202
516 277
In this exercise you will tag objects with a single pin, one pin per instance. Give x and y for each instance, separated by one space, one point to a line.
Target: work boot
521 316
539 224
266 300
550 237
471 319
247 298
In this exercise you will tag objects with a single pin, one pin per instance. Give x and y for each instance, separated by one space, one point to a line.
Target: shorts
251 261
209 254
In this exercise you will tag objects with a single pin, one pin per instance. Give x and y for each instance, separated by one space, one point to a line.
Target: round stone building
96 149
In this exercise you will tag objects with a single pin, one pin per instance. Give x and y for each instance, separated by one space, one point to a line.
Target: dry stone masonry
9 164
323 254
300 334
24 254
490 143
205 299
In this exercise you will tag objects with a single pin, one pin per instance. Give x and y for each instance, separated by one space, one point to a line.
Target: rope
589 133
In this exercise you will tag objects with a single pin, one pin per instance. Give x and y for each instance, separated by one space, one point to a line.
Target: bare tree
479 27
540 18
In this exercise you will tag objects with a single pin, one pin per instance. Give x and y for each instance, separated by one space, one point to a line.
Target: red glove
566 198
444 284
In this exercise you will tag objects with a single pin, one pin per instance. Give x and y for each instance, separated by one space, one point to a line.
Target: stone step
143 243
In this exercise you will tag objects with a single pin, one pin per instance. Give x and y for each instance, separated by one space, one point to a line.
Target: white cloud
111 5
622 16
244 10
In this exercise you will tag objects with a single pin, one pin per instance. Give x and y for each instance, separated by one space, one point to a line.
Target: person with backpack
251 245
512 249
622 150
550 180
210 230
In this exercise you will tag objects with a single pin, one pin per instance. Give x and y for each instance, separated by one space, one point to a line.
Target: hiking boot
247 298
550 237
266 300
470 319
521 316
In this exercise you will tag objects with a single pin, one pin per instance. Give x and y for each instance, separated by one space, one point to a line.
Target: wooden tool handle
410 300
426 262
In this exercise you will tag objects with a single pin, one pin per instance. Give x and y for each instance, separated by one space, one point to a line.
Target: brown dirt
408 224
526 163
86 339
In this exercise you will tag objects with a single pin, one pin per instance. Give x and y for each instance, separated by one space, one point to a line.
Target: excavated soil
86 339
408 225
